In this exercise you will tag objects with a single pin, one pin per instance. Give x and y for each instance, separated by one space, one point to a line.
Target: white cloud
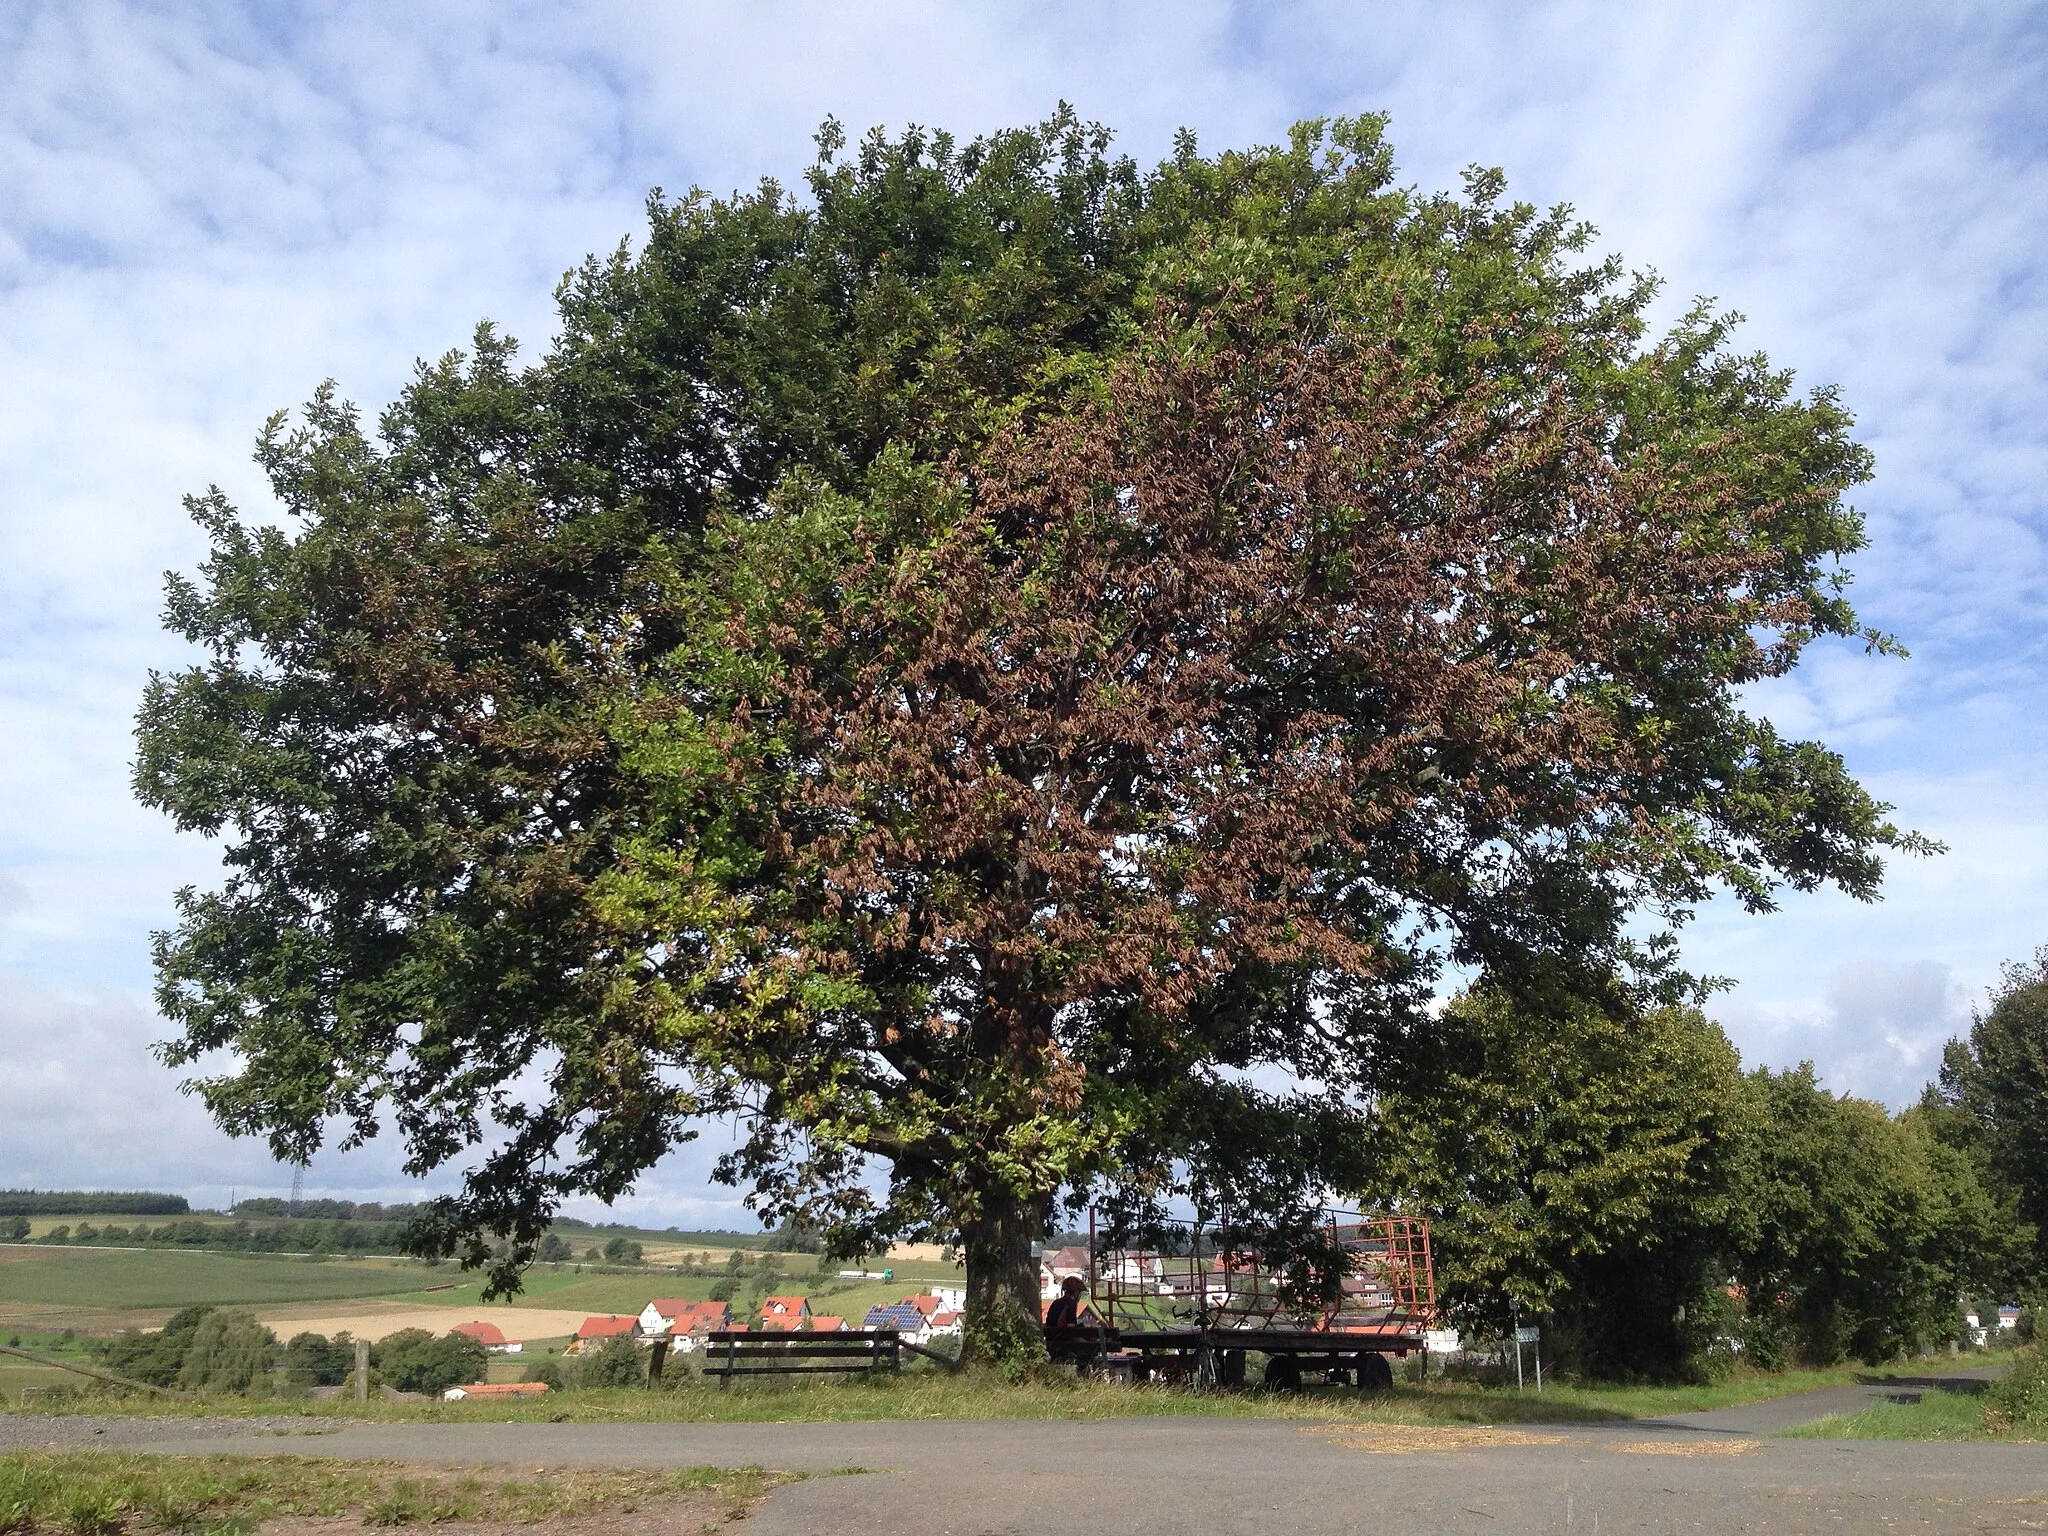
1877 1032
203 212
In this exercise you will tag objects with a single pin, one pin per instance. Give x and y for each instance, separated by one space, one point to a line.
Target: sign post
1528 1336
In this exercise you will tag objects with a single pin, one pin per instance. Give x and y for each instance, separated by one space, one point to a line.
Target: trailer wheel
1230 1368
1283 1373
1374 1374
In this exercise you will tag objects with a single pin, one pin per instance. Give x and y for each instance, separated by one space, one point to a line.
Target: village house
901 1316
1053 1270
596 1330
490 1336
685 1323
827 1324
945 1324
785 1312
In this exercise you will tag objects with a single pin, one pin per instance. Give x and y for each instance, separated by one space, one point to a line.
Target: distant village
686 1324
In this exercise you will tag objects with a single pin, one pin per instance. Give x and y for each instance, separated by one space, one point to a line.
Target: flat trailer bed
1217 1355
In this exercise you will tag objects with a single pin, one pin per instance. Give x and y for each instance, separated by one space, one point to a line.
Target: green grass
927 1394
119 1278
100 1494
1938 1415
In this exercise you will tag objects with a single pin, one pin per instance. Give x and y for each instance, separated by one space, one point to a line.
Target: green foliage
622 1250
1576 1161
549 1371
230 1352
553 1250
414 1360
94 1202
314 1361
1991 1102
614 1363
1866 1228
157 1358
14 1228
986 661
2020 1397
1612 1172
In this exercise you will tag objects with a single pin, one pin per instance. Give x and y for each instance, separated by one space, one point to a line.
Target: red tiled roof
505 1389
783 1324
776 1306
945 1319
483 1333
925 1304
687 1316
827 1324
606 1327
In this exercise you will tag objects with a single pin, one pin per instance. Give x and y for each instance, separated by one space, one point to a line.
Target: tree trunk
1005 1319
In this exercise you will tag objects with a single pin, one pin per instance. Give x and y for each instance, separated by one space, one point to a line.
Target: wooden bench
740 1353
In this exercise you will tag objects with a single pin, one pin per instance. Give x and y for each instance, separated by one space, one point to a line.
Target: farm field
101 1291
119 1288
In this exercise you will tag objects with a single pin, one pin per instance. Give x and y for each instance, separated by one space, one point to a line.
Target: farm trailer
1195 1311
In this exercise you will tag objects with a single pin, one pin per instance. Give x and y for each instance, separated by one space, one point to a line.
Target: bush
549 1371
2020 1398
414 1360
622 1250
724 1290
313 1361
614 1363
157 1358
230 1352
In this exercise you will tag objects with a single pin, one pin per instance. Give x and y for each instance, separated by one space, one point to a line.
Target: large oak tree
1008 674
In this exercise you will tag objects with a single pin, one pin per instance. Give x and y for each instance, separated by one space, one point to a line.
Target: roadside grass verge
923 1395
1937 1416
101 1494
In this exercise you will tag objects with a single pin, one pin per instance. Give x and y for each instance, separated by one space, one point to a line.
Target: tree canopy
981 671
1623 1179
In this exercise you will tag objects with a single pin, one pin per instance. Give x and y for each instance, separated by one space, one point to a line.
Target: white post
1518 1351
362 1370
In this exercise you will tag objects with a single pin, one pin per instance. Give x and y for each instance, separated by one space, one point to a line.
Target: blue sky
205 210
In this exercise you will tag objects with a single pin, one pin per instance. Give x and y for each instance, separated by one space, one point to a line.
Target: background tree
230 1351
311 1359
1866 1228
1613 1173
956 670
1580 1164
414 1360
157 1358
614 1363
1991 1099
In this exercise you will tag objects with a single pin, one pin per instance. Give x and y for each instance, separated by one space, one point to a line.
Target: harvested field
374 1320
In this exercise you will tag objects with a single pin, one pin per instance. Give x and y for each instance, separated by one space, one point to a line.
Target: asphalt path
1696 1472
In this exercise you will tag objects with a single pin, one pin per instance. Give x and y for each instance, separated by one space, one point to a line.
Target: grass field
96 1492
118 1279
928 1394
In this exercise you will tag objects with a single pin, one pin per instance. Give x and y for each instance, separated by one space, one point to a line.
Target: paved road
1691 1473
